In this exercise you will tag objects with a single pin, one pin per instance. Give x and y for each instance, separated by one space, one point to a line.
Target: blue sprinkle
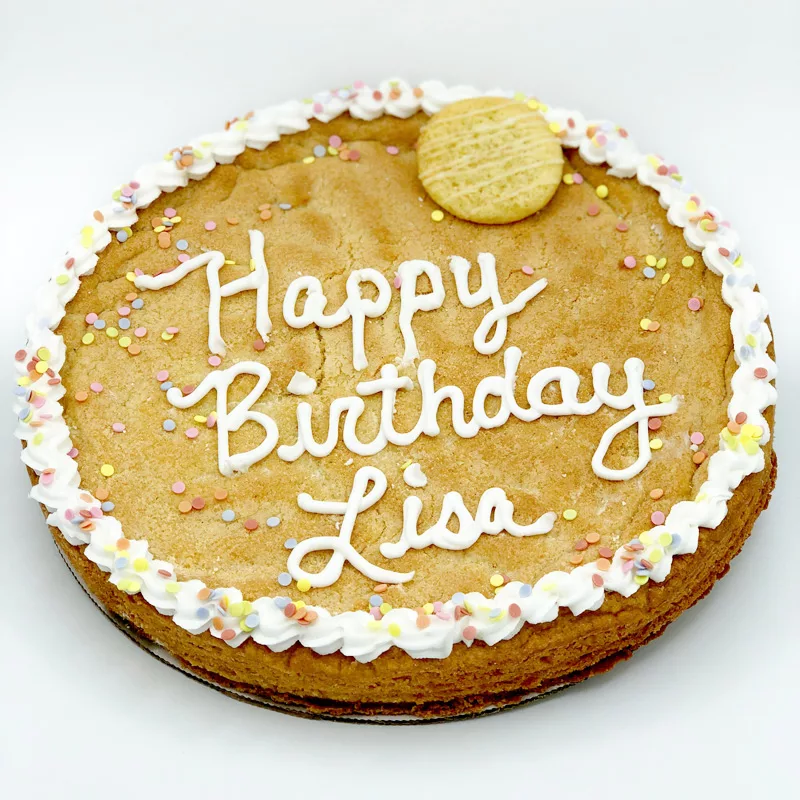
290 544
168 425
375 600
284 206
137 303
107 506
459 598
731 280
99 324
281 602
228 515
122 236
124 323
21 391
649 272
182 244
121 563
647 384
755 326
745 351
251 620
525 590
273 521
642 572
495 612
319 150
24 412
166 385
284 579
202 613
77 520
216 594
676 541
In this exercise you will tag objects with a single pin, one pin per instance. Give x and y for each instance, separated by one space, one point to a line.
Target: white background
88 91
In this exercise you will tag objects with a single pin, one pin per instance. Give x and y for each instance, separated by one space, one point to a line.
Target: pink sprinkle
96 512
96 387
91 318
335 141
397 282
577 178
697 438
627 566
192 433
317 107
514 611
629 262
179 487
657 518
392 150
760 372
354 155
376 612
215 361
358 84
210 225
162 375
140 332
601 139
654 423
134 184
622 227
597 580
172 329
46 478
73 452
123 311
438 605
593 210
259 345
38 401
527 270
138 272
695 304
69 515
211 421
118 427
126 191
183 257
469 633
169 213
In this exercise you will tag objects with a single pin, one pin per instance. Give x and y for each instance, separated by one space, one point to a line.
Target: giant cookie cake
400 402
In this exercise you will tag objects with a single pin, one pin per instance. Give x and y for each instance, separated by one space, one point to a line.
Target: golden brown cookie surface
489 160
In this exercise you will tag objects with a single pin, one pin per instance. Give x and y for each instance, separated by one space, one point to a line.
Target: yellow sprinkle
244 626
131 276
665 539
124 341
385 608
655 555
690 206
601 191
543 107
300 604
702 496
230 261
570 514
546 587
656 444
303 585
664 398
661 263
406 465
428 608
496 580
172 587
374 625
107 470
112 333
43 353
41 367
309 160
533 105
23 381
665 278
646 538
236 609
86 236
738 261
394 629
687 261
333 151
640 579
62 279
159 228
200 418
568 179
167 336
437 216
38 439
519 97
644 323
651 260
554 126
87 338
751 340
140 564
123 584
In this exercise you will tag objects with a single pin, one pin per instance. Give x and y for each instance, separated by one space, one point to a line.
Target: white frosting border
47 444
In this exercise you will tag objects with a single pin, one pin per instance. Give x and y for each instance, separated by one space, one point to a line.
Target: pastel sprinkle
168 425
182 244
392 150
649 272
210 225
695 303
284 579
570 514
250 524
629 262
107 470
303 585
437 215
527 270
118 427
496 580
179 487
656 444
687 261
192 433
593 210
697 438
601 191
273 522
198 503
657 518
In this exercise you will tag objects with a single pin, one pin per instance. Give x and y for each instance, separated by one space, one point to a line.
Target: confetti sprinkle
650 260
273 522
687 261
182 244
699 457
602 191
303 585
392 150
695 304
496 580
220 494
107 470
622 226
210 225
760 372
593 210
657 518
657 494
437 215
192 433
198 503
593 537
117 427
250 524
179 487
284 579
335 141
629 262
697 438
656 444
527 270
168 425
570 514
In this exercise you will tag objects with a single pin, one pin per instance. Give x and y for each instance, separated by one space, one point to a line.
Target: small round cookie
490 160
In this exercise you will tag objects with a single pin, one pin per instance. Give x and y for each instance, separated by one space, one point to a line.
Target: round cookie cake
331 447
